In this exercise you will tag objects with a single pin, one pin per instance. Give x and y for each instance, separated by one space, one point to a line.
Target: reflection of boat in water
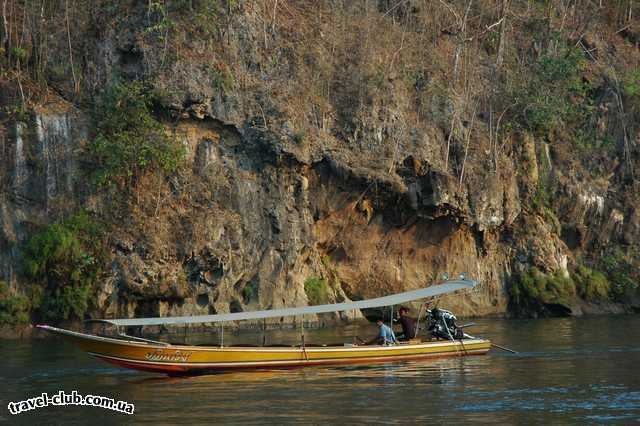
148 355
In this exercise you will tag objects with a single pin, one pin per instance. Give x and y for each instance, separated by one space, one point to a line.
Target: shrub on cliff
63 262
535 287
130 140
14 310
550 91
317 290
622 271
592 285
631 84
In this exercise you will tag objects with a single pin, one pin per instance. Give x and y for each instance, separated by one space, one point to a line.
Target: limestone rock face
250 226
39 178
306 158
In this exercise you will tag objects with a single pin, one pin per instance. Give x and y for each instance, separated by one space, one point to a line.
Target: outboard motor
442 325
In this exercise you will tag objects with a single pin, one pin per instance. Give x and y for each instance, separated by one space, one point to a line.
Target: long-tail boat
176 359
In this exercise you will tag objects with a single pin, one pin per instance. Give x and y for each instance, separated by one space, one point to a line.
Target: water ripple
572 376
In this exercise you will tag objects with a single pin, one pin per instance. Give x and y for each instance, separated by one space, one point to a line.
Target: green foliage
631 89
622 273
222 77
64 260
378 78
542 198
58 72
538 287
631 83
552 93
14 310
108 8
299 137
159 19
592 285
491 42
589 142
130 140
250 292
317 290
247 293
19 53
615 282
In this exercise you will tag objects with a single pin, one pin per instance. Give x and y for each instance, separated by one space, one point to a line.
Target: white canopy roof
395 299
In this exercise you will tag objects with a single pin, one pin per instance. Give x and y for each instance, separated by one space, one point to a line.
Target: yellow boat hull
183 359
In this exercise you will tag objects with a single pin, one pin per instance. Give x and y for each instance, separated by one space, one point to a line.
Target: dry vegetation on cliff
263 147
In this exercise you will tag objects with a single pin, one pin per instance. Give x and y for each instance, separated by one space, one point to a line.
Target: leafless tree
5 26
503 33
76 86
467 141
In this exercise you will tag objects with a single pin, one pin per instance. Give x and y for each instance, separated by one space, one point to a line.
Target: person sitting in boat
386 335
408 325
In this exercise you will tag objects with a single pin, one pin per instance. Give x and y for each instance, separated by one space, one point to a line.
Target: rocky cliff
366 147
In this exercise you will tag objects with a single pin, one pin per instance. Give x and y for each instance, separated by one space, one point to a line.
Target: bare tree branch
76 86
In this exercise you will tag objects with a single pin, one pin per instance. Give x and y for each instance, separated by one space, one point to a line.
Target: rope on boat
464 349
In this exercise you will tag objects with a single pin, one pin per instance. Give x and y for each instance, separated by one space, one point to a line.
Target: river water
567 371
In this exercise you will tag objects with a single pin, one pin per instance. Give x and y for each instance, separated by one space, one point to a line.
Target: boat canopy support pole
418 318
222 335
304 350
